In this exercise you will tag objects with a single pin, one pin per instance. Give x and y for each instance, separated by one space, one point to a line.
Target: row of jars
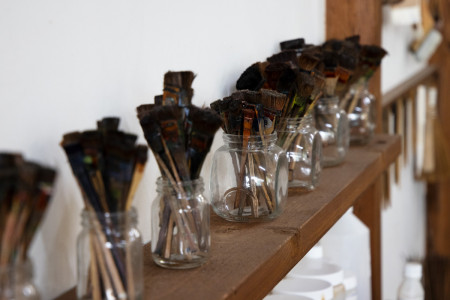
247 184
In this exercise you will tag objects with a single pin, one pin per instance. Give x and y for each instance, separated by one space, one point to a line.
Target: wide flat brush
205 123
251 79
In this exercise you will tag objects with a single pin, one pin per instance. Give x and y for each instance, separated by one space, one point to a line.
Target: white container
411 287
347 244
350 284
285 297
313 266
313 288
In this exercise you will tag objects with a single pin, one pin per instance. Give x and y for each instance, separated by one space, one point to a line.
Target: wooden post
364 18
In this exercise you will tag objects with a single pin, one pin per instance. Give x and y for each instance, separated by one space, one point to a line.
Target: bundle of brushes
296 72
249 115
25 194
180 136
370 57
108 166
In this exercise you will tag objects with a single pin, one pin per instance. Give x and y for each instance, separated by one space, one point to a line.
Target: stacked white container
313 266
347 244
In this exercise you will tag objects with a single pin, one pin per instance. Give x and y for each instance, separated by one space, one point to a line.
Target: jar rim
132 213
329 99
20 266
306 117
166 183
252 138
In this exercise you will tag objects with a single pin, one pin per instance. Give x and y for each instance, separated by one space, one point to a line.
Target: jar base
179 263
301 185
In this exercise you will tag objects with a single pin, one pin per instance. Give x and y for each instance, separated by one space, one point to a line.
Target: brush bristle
286 56
251 79
295 44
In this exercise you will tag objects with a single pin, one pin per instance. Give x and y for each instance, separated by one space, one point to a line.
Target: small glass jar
180 225
332 124
16 282
249 178
109 250
361 114
303 145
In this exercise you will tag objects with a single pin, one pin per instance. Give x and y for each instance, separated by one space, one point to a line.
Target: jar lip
306 117
21 266
132 212
329 99
161 181
252 138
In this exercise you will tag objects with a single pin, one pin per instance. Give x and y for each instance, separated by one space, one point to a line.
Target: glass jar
180 225
361 114
249 178
109 250
303 145
332 124
16 282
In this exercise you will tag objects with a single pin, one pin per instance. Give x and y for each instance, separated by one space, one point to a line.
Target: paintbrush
105 161
177 88
295 44
24 194
251 79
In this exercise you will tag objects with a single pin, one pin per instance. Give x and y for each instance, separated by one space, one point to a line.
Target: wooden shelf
248 260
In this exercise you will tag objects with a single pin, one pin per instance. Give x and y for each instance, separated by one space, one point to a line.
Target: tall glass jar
303 145
16 282
180 225
249 178
361 114
109 250
332 124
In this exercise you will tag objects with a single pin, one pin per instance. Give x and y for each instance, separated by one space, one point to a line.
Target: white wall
65 64
403 223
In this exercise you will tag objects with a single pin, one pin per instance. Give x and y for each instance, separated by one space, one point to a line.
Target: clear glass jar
109 250
361 114
16 282
180 225
303 145
249 178
332 124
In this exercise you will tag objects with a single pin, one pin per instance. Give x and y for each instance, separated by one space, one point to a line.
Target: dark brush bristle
307 61
354 39
205 123
372 53
287 56
273 99
273 72
295 44
158 99
143 109
108 123
251 79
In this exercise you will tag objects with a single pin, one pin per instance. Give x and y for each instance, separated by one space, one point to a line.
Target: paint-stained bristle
158 99
251 79
305 85
143 109
108 123
273 100
354 39
295 44
373 54
308 61
286 56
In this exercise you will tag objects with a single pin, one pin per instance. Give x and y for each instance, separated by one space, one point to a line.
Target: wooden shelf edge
400 90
